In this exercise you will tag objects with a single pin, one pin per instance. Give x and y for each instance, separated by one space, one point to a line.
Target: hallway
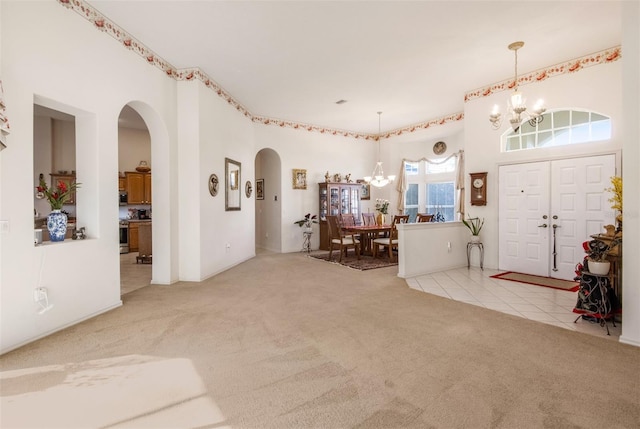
132 275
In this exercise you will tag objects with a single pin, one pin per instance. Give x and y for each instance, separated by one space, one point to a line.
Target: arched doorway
268 216
163 195
134 201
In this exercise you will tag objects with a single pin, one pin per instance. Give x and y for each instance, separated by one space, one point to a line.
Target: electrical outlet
448 247
39 294
4 226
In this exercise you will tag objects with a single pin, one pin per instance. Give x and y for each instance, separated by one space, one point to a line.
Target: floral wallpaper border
572 66
103 24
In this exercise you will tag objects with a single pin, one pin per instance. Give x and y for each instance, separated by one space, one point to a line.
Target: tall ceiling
412 60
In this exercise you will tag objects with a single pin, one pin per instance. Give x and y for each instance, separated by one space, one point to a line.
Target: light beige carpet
283 341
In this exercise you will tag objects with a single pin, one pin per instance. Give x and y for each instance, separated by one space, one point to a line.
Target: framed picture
259 189
365 190
299 178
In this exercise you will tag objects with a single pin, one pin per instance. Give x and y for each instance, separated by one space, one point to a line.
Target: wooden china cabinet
335 199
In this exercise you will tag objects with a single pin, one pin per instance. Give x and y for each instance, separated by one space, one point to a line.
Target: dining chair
341 239
424 217
391 241
347 219
368 219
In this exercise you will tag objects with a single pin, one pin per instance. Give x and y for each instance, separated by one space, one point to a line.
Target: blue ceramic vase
57 225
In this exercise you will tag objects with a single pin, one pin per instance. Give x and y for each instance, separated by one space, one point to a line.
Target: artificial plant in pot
307 221
597 253
475 225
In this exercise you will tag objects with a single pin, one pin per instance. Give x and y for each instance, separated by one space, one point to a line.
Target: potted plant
475 225
616 199
597 253
307 222
57 197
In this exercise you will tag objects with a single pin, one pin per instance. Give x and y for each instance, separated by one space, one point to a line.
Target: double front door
548 209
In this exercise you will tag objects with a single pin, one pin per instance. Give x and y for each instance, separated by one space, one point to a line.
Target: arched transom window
558 128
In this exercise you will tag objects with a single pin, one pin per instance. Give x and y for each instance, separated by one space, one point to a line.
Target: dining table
367 234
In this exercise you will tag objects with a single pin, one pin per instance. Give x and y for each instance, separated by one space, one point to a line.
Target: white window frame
422 179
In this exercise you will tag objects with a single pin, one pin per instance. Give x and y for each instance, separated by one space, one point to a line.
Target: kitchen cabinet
122 183
135 244
138 186
67 179
335 199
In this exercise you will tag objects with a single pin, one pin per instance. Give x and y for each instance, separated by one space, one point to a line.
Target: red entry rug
567 285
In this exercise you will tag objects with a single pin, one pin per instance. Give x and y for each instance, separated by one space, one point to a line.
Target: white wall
55 58
631 173
316 153
431 247
596 88
133 146
224 133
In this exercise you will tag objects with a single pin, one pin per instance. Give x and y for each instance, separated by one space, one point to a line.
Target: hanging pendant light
517 103
377 178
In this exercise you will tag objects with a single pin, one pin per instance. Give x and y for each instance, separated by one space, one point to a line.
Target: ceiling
413 60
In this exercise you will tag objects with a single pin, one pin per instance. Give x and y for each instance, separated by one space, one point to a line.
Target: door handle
554 226
544 225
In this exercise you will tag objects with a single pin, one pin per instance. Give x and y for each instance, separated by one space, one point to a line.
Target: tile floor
546 305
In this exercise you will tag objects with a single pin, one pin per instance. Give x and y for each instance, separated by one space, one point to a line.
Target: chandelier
377 178
517 103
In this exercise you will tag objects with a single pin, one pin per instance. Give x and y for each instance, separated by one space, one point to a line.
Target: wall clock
478 189
439 148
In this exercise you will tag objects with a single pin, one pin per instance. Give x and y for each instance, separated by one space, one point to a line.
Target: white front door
522 205
534 197
579 208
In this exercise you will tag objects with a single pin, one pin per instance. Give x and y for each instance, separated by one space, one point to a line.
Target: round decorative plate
439 148
248 189
213 185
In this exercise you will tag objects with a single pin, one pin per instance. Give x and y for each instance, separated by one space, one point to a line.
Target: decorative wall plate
439 148
213 185
248 189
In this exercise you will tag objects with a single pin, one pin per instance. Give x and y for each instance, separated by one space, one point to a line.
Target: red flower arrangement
59 195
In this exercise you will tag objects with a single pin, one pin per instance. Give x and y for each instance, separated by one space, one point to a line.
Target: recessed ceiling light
341 101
